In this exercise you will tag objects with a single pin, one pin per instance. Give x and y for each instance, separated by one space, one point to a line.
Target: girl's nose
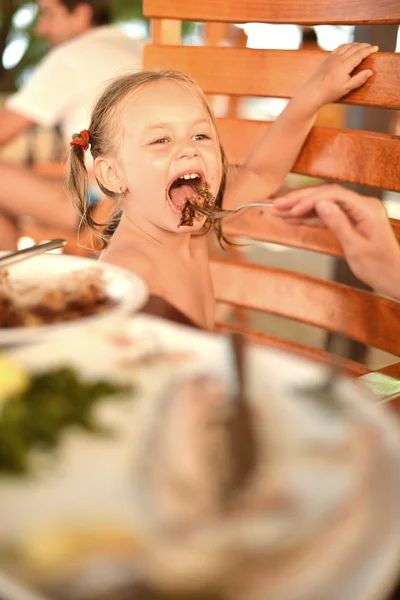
187 150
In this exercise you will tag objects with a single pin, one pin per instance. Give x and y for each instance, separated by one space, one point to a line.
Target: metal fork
213 213
19 255
326 391
240 428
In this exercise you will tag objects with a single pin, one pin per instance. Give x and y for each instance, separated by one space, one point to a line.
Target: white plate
126 289
93 475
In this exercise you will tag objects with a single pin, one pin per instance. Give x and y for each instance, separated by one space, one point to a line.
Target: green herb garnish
52 403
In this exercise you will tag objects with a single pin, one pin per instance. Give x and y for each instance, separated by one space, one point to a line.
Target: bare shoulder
243 185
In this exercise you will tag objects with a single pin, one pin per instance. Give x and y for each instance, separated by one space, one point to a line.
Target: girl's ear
108 174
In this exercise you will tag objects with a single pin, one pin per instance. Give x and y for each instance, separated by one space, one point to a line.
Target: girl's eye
201 136
163 140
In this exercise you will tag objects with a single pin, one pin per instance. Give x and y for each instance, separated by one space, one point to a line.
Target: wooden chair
335 307
361 157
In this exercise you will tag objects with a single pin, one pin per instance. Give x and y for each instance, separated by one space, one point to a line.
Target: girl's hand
333 78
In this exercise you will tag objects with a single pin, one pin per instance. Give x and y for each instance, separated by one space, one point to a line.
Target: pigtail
109 228
77 178
77 185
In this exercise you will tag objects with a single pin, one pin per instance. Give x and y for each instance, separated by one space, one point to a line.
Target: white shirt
66 84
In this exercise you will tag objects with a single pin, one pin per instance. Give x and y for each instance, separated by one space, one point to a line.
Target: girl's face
166 135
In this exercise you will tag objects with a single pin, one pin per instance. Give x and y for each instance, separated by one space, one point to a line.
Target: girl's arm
274 156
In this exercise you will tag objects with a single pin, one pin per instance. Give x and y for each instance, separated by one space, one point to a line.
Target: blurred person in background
87 51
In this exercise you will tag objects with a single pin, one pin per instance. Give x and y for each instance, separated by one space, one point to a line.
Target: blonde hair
102 142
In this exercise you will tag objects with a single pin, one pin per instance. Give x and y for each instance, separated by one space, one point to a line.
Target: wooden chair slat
338 308
323 152
392 370
166 31
308 12
216 33
258 224
283 71
350 367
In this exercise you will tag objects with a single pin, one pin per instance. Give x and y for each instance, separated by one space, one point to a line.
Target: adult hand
361 226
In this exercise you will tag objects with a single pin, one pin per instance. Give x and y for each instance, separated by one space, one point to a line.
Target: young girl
153 139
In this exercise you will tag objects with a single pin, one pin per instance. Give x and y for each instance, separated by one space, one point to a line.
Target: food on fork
187 215
204 196
184 200
202 199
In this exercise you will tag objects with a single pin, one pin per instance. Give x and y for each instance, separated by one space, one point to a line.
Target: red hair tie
84 142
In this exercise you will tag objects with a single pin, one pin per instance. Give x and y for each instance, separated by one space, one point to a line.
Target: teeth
189 176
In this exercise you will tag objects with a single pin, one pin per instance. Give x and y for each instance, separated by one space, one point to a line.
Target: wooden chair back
338 308
339 154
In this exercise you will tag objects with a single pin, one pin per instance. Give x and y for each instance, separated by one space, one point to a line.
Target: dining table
158 306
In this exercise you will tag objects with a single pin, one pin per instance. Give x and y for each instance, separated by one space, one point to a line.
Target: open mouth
186 192
184 188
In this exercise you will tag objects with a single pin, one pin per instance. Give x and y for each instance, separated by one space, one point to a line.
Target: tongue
180 194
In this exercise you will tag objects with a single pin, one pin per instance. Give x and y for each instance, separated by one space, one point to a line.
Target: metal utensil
19 255
213 213
325 392
241 434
